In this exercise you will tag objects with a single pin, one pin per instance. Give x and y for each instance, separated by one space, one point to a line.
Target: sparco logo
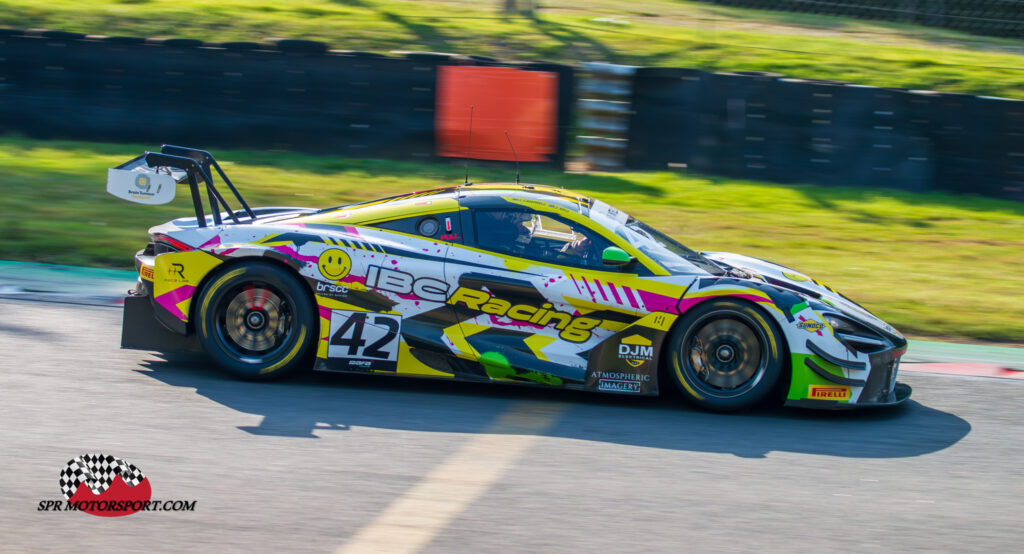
107 486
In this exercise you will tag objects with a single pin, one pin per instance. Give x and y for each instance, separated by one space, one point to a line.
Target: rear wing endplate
150 178
136 182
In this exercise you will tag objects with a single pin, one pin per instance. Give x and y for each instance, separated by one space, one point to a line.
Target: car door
407 274
531 302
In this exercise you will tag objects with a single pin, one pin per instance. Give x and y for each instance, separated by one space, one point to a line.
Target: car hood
795 281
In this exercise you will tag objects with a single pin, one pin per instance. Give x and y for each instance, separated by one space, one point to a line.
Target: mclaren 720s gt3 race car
511 283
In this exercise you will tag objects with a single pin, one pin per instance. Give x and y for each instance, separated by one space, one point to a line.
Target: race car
510 283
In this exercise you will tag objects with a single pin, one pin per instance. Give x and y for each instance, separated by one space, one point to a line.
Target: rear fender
176 278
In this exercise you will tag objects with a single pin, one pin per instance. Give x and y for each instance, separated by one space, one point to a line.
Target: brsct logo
107 486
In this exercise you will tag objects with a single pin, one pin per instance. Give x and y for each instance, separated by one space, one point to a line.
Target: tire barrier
767 127
741 127
666 127
853 135
604 103
979 145
281 94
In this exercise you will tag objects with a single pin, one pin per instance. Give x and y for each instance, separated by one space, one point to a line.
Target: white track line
410 522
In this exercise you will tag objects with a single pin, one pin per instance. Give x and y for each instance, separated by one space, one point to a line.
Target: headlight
856 336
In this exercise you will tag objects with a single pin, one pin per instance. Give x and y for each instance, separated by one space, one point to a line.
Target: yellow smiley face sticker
334 264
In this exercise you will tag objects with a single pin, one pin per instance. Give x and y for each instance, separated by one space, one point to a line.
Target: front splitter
900 394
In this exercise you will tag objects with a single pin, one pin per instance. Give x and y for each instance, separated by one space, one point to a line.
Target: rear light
163 244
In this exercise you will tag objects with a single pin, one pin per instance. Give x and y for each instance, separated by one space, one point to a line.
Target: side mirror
615 256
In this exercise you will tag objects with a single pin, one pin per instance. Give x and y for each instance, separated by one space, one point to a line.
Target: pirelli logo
820 392
147 273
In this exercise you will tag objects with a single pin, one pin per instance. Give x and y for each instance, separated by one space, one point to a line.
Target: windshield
663 249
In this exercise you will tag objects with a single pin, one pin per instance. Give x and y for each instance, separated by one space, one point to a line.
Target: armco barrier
284 94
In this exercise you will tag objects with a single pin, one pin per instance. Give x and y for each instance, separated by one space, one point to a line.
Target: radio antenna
514 155
469 143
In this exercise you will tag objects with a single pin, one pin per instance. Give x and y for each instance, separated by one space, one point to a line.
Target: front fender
822 368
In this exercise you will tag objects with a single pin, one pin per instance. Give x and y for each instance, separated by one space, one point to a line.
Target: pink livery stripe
630 297
615 293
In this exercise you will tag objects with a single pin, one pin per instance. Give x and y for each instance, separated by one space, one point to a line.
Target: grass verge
932 264
644 32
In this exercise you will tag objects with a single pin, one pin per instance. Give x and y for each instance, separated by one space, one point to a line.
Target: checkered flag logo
97 471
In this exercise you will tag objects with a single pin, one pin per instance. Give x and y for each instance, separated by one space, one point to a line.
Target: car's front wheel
725 355
256 320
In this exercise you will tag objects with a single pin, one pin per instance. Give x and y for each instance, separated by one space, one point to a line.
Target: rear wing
150 178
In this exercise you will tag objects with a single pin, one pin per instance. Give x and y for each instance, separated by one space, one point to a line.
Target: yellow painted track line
410 522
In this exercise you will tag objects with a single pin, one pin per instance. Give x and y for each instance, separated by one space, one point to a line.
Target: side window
443 226
537 236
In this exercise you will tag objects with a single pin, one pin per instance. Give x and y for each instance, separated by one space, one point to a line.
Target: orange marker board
503 98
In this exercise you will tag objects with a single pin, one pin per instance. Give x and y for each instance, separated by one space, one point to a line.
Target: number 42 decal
363 335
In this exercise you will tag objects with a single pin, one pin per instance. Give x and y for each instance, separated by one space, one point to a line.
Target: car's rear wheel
725 355
256 320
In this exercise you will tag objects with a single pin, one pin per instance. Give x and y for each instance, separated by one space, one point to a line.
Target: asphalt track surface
327 463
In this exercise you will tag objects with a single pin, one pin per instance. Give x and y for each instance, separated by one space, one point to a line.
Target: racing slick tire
725 355
256 320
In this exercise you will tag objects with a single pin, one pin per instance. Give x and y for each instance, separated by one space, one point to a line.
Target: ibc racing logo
106 486
636 350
